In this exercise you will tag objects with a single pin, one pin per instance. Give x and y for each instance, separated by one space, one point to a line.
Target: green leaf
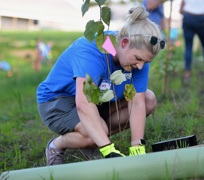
100 2
113 40
85 7
117 77
94 94
106 96
100 28
129 92
87 84
92 29
100 41
106 15
91 91
88 78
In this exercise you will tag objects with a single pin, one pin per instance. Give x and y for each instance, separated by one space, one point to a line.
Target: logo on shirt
105 85
128 75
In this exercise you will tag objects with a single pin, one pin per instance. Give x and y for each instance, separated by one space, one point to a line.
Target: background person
49 56
5 66
41 54
192 24
64 108
156 12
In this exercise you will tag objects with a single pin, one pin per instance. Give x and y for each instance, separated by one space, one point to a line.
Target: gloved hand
109 151
137 150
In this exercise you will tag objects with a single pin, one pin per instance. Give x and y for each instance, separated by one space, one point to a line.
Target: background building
41 14
66 15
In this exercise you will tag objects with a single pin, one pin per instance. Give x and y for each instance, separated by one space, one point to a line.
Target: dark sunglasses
153 40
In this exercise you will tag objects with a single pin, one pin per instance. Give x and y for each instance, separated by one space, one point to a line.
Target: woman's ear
124 42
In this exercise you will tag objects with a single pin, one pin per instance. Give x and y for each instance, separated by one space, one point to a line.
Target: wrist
105 145
138 142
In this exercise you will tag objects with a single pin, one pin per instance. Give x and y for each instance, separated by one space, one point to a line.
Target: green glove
109 151
137 150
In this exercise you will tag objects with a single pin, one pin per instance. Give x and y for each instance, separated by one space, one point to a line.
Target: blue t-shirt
83 57
155 15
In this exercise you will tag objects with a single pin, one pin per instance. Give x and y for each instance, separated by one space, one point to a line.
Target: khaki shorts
60 114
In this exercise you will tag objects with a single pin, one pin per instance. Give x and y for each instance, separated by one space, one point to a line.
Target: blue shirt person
81 124
156 11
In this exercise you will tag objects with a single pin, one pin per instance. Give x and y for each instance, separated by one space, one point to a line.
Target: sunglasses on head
153 40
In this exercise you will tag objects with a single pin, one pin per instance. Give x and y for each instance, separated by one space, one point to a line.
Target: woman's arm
89 116
181 7
137 111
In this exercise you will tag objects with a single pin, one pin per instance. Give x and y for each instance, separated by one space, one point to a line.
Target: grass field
23 137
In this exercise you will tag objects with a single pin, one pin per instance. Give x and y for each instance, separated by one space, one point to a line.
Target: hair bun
131 10
138 13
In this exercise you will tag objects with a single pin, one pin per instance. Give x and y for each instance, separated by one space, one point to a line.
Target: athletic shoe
53 155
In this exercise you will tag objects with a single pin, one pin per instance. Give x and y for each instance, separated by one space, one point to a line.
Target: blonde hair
139 25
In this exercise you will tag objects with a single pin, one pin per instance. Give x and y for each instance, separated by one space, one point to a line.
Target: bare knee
83 136
151 102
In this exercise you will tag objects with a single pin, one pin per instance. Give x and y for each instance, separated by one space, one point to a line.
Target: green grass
23 136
